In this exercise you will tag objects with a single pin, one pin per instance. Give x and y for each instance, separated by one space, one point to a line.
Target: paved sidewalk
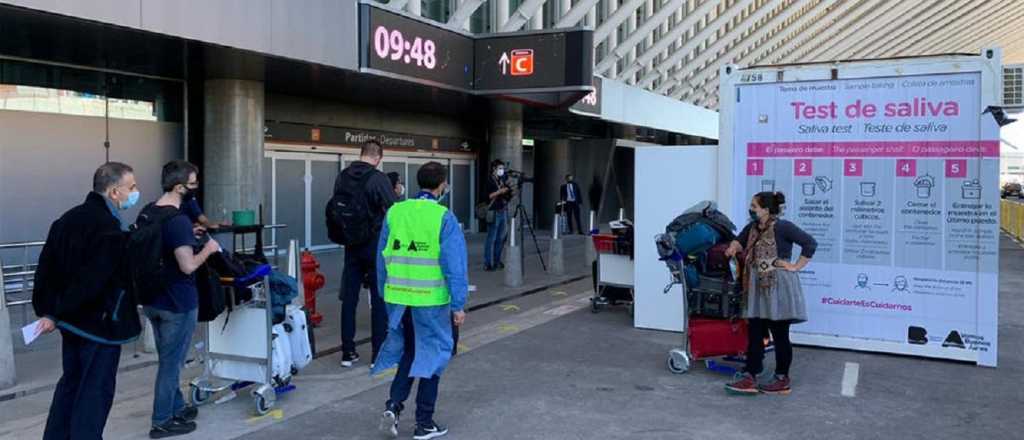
39 366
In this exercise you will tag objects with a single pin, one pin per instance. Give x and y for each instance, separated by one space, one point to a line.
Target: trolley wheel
262 404
199 396
595 306
678 362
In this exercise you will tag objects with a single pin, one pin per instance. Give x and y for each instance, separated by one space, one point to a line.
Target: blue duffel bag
696 239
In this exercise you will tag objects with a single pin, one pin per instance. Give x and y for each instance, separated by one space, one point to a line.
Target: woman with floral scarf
774 298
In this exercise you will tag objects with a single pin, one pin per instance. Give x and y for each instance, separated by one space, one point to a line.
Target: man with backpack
362 196
80 289
169 295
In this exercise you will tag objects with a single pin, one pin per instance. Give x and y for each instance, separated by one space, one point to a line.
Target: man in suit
570 196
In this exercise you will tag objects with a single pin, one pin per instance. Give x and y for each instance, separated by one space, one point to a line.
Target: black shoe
389 421
172 429
188 414
348 359
488 268
501 265
428 432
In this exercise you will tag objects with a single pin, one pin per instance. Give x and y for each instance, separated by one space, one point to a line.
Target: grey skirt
784 303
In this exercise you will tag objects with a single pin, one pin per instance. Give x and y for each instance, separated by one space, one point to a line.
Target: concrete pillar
554 161
233 146
8 376
507 133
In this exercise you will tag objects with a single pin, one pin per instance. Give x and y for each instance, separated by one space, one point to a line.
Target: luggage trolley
681 359
238 350
612 271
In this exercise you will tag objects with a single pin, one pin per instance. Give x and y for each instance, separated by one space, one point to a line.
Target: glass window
51 89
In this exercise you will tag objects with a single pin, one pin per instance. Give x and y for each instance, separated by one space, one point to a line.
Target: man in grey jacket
375 189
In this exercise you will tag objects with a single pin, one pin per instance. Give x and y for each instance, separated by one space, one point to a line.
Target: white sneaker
389 423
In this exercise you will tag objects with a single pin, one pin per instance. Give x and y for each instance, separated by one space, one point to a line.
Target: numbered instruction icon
755 167
956 168
853 168
802 167
906 168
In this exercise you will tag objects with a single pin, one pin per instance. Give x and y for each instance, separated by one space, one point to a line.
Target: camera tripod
520 210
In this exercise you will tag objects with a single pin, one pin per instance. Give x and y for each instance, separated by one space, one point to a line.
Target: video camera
520 177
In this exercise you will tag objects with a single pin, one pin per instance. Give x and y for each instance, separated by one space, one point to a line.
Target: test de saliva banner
897 179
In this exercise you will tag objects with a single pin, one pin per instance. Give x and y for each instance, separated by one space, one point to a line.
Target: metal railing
19 277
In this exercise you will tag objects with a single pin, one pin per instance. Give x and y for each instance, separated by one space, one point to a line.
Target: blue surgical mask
133 198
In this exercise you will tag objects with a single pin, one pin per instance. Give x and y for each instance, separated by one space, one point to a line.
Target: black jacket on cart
80 282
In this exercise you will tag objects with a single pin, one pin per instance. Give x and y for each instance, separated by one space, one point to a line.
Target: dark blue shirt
192 210
181 294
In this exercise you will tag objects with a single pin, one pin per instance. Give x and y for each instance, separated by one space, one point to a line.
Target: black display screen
418 51
533 61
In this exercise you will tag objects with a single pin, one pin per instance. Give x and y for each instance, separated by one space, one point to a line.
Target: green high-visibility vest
413 254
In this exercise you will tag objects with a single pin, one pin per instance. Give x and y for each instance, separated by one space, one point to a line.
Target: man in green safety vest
421 272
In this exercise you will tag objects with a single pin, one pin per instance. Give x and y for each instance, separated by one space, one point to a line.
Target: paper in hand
30 332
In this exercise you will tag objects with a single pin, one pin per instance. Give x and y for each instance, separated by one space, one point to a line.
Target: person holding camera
774 297
499 193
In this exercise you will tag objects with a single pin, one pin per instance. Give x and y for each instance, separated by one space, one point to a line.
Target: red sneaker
778 386
746 385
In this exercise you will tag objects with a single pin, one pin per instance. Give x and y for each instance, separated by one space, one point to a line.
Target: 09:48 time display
392 44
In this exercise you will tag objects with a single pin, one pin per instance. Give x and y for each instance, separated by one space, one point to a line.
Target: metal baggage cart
681 359
613 269
238 347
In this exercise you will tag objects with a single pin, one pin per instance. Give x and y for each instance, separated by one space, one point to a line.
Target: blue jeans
85 392
401 387
495 238
173 334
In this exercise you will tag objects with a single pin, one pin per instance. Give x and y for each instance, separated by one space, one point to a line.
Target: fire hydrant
312 280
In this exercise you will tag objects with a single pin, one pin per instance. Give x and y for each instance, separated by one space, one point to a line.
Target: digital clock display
414 50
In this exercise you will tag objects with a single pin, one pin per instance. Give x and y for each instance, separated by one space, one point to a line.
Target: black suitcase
716 298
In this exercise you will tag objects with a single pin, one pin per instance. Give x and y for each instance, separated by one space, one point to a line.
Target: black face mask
190 194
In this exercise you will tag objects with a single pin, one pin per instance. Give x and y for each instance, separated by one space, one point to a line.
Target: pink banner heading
875 149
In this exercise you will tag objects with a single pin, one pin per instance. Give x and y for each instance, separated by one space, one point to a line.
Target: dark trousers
401 387
360 265
85 392
759 328
572 212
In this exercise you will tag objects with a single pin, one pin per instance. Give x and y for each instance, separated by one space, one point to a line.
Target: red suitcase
717 337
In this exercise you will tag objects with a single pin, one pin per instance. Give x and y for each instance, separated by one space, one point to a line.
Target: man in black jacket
361 259
571 197
80 290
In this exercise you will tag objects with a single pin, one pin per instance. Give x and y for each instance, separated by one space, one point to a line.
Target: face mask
500 172
133 198
753 215
189 194
401 190
447 190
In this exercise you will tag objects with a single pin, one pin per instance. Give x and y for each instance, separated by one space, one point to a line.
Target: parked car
1011 190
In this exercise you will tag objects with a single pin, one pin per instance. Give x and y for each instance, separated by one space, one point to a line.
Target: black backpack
348 211
145 252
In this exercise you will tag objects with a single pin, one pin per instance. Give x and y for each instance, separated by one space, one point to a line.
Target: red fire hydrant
312 280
